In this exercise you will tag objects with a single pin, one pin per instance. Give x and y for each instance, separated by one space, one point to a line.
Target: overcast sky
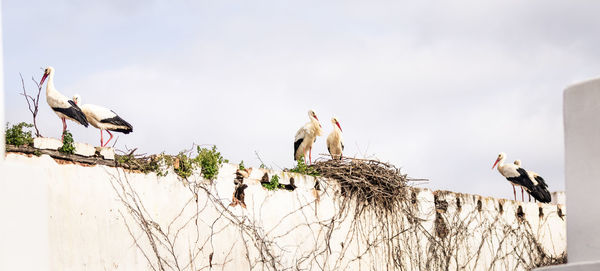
434 87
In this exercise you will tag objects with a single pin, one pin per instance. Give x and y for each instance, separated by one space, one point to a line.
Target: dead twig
32 103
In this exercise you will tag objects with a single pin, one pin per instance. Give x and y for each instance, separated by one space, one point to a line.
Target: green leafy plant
67 146
162 164
158 164
16 136
241 166
303 168
262 166
273 184
154 163
124 159
184 165
210 160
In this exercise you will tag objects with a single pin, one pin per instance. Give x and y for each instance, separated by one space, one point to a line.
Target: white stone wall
70 217
582 129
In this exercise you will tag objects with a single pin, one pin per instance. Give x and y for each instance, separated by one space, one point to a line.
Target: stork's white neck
501 164
316 126
337 129
337 133
50 85
314 121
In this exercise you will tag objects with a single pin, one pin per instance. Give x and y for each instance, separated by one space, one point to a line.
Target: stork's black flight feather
73 112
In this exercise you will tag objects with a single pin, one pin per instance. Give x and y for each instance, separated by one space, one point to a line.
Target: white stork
510 172
103 119
540 186
60 104
519 176
335 143
518 164
306 136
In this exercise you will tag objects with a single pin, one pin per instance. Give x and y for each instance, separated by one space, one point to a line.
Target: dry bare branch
32 103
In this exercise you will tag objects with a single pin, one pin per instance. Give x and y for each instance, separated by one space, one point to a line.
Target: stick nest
369 182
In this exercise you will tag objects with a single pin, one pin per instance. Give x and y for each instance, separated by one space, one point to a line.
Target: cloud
438 89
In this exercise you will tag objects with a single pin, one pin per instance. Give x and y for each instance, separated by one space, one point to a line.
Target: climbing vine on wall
377 223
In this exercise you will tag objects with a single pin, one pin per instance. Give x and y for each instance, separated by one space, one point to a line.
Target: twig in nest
132 151
115 143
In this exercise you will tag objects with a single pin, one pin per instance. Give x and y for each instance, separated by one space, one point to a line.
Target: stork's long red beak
338 125
43 78
495 163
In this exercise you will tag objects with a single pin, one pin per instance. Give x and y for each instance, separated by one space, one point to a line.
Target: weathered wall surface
102 218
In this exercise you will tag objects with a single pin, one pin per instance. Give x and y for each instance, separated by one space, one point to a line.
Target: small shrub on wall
209 160
15 135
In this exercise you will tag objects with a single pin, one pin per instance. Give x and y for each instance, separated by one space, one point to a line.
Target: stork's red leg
101 138
310 156
522 198
304 156
62 137
514 192
111 136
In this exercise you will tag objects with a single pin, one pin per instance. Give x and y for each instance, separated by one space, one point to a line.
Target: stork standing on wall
510 172
103 119
335 143
306 136
60 104
518 164
540 186
519 176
